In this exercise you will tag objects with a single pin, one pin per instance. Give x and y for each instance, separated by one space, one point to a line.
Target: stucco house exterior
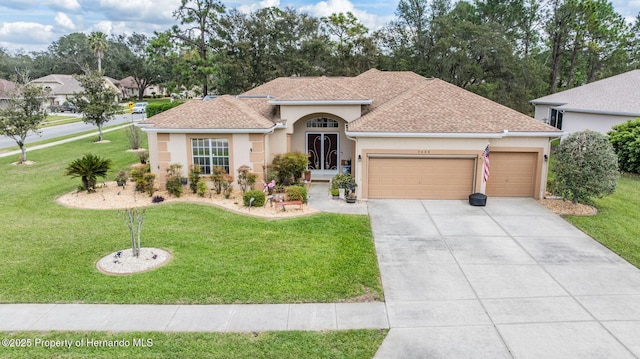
6 90
596 106
400 134
130 89
62 87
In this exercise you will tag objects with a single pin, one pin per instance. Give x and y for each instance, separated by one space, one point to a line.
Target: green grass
617 224
49 251
57 120
282 345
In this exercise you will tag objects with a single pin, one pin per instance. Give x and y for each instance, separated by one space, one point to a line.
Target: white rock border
123 262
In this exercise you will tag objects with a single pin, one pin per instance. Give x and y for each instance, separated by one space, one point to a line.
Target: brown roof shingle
435 106
224 112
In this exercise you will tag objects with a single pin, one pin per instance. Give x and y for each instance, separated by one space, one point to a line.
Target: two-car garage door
422 178
513 174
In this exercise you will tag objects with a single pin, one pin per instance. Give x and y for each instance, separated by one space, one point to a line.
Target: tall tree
25 113
72 53
97 102
98 43
133 58
199 20
353 50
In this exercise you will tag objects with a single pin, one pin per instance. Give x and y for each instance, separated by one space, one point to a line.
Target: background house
6 88
596 106
400 134
130 89
63 87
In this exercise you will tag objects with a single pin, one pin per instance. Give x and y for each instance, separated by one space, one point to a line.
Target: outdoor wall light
359 158
546 158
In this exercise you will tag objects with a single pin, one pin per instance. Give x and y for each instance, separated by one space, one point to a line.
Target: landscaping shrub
202 188
174 180
137 176
586 166
246 179
296 193
134 136
288 167
227 185
194 178
88 168
157 199
156 108
217 177
625 138
259 196
148 183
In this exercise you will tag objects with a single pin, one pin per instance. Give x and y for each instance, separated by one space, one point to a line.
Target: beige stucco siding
293 113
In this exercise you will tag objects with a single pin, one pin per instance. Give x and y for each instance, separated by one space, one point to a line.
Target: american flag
485 170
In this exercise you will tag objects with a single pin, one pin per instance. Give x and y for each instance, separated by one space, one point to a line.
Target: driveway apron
508 280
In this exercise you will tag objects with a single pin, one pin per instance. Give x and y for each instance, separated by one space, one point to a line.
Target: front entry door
323 152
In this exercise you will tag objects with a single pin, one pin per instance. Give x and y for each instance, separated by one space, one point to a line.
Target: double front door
323 152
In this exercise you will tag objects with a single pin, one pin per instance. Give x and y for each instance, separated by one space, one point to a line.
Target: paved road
68 129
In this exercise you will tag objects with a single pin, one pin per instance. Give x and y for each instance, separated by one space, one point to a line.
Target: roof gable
223 112
436 106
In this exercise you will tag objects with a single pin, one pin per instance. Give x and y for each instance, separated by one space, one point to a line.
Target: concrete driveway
507 280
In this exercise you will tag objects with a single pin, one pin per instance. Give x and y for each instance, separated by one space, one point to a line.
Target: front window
322 122
210 152
556 119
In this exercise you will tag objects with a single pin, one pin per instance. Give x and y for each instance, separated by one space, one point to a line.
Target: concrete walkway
507 280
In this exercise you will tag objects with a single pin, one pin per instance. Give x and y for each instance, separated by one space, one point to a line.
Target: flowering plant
268 187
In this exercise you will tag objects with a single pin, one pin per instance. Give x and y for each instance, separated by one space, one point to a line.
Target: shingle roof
321 89
6 87
435 106
223 112
60 84
616 95
402 102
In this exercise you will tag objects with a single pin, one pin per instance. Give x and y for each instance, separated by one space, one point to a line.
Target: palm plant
88 168
98 43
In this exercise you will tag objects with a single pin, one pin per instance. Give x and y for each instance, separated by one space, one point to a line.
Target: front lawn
49 251
335 344
617 224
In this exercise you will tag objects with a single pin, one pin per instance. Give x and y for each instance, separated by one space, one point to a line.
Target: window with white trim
210 152
322 122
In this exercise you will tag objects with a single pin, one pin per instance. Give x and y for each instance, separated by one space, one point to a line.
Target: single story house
130 89
400 134
6 92
596 106
63 87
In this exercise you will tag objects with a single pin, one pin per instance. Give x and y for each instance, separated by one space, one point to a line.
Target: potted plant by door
335 193
307 175
350 196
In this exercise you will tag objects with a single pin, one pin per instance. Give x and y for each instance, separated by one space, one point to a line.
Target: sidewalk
55 143
193 318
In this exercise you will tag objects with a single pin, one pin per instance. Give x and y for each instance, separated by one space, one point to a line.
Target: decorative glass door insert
323 151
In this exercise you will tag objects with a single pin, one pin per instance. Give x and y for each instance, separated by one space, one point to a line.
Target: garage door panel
513 174
423 178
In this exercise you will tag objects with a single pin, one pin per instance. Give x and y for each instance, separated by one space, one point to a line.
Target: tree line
510 51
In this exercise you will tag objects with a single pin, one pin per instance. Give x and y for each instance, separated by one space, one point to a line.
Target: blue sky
31 25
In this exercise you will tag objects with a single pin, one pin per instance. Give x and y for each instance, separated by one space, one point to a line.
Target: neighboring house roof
616 95
393 102
68 85
6 87
129 82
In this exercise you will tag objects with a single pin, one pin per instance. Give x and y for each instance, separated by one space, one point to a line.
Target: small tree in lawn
97 102
23 114
88 168
134 217
625 138
586 167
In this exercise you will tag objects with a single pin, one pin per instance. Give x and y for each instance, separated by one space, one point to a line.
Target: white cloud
29 35
326 8
260 5
71 5
63 20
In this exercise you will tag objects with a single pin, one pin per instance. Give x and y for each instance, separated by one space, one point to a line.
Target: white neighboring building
596 106
63 87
